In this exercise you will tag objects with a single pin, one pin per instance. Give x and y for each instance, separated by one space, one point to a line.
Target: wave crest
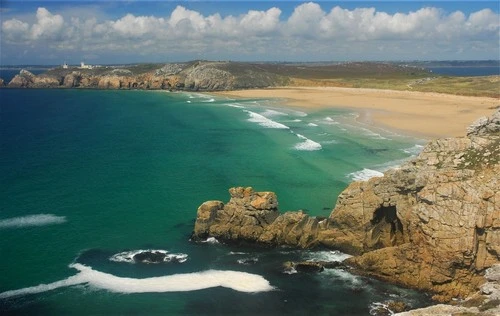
264 121
32 220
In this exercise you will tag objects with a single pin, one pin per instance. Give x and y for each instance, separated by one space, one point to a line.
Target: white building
83 66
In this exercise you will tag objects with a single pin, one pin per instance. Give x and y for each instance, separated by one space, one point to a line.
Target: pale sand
422 114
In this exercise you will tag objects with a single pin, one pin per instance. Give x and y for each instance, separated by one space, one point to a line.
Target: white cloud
309 31
14 29
48 25
133 26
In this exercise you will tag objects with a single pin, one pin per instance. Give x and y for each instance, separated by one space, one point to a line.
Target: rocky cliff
192 76
433 224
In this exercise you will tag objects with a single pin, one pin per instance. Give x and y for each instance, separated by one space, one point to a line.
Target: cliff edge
432 224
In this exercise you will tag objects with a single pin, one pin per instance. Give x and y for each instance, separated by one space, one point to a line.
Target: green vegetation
487 86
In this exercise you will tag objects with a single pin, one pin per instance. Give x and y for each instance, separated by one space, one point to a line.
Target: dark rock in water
309 266
397 306
149 257
312 266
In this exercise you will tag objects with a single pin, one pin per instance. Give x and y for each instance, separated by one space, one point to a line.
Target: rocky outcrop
193 76
253 217
26 79
485 302
23 80
2 82
432 224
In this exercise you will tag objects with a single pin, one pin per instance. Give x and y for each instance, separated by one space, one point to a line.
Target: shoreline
423 114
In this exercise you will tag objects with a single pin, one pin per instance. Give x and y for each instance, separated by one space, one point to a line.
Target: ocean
89 178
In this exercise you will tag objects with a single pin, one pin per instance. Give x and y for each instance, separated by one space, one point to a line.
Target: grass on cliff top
487 86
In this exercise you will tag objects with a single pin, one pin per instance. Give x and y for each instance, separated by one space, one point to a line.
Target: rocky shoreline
200 75
433 224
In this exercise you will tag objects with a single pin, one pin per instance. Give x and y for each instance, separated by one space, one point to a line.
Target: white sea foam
32 220
296 121
415 150
264 121
312 124
248 261
307 144
373 134
290 271
329 120
128 256
365 174
237 253
299 113
235 105
211 240
329 142
270 112
326 256
350 279
209 100
238 281
188 101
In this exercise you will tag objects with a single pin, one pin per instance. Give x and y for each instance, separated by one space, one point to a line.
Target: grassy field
488 86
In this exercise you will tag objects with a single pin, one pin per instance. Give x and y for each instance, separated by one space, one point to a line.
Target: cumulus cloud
48 25
309 30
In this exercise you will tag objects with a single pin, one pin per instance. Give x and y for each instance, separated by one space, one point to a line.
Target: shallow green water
126 170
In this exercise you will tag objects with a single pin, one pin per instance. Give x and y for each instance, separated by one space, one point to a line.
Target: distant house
83 66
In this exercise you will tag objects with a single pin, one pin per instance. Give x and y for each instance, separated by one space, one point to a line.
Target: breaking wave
238 281
264 121
32 220
307 144
365 174
270 112
328 256
235 105
211 240
148 256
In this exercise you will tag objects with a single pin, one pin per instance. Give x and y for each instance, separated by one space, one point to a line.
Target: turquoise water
89 174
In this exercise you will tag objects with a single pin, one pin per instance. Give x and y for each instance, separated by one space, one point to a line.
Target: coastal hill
226 75
432 224
203 75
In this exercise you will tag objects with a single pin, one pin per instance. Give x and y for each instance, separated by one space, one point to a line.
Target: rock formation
254 217
433 224
22 80
193 76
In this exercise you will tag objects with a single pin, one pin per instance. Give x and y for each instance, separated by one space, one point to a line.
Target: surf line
235 280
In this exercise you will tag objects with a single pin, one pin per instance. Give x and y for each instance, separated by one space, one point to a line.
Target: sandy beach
427 115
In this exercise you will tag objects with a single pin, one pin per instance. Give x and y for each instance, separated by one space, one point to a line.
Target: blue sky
49 32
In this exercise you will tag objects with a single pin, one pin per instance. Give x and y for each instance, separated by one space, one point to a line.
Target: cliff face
194 76
433 224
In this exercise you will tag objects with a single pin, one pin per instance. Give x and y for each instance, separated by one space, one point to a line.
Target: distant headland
227 75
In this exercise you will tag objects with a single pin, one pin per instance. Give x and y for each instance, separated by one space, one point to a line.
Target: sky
111 32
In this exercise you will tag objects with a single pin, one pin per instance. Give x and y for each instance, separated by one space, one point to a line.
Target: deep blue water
89 174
